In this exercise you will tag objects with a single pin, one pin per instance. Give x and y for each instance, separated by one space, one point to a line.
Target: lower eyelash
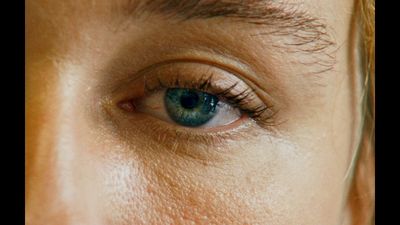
168 135
212 143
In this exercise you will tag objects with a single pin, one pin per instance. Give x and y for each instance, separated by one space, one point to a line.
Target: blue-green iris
189 107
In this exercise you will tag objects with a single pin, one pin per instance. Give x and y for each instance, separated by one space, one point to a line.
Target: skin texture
89 162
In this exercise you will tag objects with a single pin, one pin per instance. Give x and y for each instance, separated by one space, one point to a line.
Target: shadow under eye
189 107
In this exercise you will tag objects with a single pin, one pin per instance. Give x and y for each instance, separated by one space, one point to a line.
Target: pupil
189 107
189 100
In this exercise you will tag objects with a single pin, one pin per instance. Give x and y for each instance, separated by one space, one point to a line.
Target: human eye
196 96
189 107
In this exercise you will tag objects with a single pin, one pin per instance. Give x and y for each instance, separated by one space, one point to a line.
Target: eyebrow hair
308 33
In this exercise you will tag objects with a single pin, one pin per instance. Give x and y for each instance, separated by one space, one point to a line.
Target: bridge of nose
57 171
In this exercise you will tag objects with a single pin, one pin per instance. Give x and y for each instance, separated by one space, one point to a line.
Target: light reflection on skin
87 165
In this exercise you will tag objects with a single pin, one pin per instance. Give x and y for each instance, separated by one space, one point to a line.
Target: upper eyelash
236 100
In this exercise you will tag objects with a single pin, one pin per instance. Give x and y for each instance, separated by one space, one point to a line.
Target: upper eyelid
247 68
207 76
238 68
141 77
235 91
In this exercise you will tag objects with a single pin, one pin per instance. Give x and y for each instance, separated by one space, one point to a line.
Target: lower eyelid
192 144
145 123
209 144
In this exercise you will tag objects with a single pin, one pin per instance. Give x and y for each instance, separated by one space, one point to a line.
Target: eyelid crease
215 57
253 80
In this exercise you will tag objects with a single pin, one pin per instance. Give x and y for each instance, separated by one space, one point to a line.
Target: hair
362 190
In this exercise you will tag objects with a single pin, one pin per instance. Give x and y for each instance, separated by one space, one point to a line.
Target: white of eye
226 114
154 105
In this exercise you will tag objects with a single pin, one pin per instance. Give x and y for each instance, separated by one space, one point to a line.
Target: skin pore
91 161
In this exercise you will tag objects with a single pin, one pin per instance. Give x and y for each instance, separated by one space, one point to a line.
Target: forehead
53 18
101 8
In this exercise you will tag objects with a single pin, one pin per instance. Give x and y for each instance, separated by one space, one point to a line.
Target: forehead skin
81 170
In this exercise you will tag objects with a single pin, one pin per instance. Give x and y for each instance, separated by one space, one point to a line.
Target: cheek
147 187
157 187
262 184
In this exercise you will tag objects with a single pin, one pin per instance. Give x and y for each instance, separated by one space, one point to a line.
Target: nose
58 175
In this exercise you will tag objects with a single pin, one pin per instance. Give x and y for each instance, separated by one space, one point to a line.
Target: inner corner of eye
127 106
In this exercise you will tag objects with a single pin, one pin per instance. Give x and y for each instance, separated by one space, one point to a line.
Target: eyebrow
308 33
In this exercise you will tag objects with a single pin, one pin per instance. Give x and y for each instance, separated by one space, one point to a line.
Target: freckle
150 190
